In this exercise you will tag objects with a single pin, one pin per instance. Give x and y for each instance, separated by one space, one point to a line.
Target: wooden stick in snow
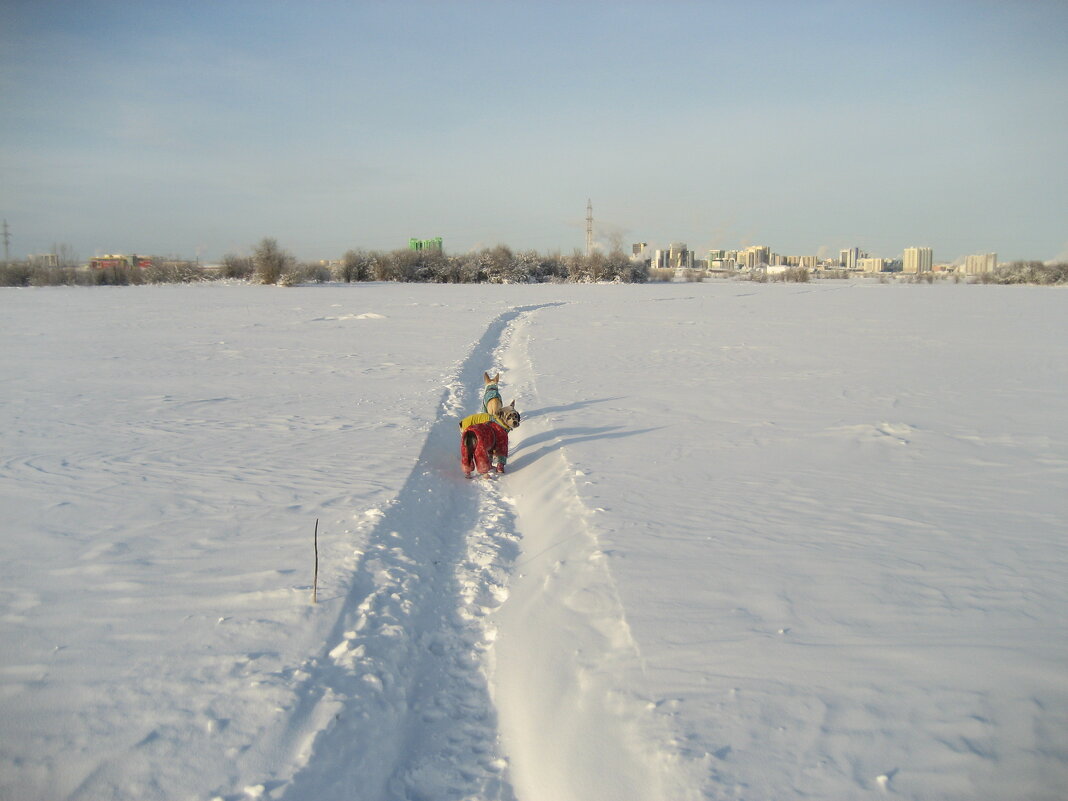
315 577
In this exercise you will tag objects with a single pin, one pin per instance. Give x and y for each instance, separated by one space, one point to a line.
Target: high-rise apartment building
755 256
680 256
917 260
426 244
871 265
848 258
980 263
675 258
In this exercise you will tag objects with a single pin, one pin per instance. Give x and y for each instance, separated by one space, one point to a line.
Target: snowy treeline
1027 272
498 265
270 264
25 274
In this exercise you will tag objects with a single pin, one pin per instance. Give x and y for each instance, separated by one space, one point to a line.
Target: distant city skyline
197 129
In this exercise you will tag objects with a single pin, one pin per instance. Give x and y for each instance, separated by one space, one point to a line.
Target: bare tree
235 266
271 262
356 266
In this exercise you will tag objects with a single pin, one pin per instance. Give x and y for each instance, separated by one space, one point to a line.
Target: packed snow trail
397 704
428 688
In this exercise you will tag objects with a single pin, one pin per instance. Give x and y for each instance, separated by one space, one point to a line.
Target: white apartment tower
917 260
639 251
980 263
676 257
870 265
755 256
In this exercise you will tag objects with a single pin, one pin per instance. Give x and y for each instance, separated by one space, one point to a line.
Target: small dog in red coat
484 439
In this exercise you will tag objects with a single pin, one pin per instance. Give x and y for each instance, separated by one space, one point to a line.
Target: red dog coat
482 437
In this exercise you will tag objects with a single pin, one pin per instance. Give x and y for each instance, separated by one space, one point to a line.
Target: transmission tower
589 226
7 243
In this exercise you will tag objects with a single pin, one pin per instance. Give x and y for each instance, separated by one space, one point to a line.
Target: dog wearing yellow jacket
484 439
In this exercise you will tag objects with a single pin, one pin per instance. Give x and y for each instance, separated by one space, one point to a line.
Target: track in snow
402 703
566 672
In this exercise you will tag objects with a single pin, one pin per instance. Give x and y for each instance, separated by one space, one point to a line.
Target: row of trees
269 264
1027 272
28 274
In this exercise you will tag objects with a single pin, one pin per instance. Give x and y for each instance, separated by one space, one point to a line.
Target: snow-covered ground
755 542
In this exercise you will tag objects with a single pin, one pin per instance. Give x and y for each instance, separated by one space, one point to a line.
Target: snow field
165 456
841 545
755 541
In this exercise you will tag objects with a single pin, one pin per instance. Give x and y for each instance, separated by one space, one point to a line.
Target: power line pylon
7 243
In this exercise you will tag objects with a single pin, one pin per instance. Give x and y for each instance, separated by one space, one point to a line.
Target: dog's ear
512 404
485 378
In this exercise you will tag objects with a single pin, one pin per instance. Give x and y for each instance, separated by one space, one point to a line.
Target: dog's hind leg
482 458
467 452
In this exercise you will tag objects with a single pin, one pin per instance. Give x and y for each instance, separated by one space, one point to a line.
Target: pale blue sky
202 127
